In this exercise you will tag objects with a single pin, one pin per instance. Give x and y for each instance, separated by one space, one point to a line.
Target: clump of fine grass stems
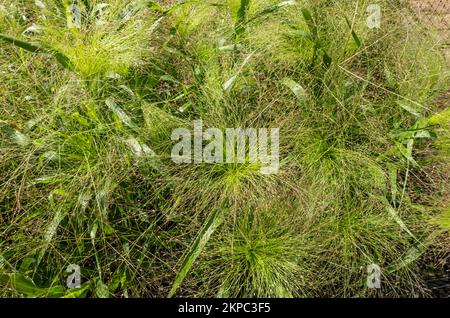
91 91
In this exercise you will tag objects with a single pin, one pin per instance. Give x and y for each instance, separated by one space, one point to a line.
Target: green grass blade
443 219
27 287
35 48
241 18
31 47
295 87
326 58
407 259
409 107
310 22
440 118
63 60
243 10
394 215
121 114
50 233
203 237
230 82
354 35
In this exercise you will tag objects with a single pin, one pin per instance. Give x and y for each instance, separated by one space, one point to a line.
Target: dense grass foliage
91 90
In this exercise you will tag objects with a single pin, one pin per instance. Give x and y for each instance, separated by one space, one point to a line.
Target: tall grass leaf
409 258
34 28
168 78
406 153
414 133
62 59
93 232
116 279
213 222
296 88
241 17
310 22
423 134
243 10
20 138
229 83
394 214
123 117
50 233
409 108
354 35
326 58
230 48
28 46
112 75
128 91
155 24
35 48
139 149
47 179
27 287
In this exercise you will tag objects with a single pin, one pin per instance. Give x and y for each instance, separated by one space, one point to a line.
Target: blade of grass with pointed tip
27 287
35 48
120 113
203 237
393 213
354 35
183 3
326 58
229 83
241 18
50 233
310 22
28 46
409 258
409 108
295 87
